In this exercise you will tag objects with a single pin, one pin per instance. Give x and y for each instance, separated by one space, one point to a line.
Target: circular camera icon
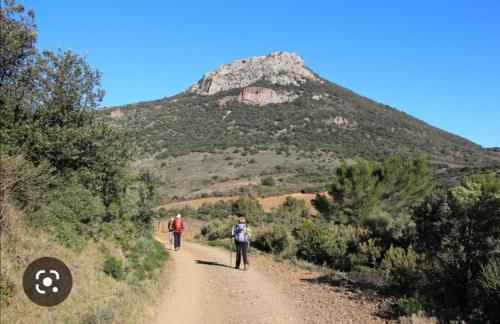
47 281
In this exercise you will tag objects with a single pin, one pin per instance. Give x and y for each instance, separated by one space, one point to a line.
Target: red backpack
178 226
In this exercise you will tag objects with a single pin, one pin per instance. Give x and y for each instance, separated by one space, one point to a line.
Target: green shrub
99 314
370 249
330 244
72 214
248 208
311 239
145 256
410 306
221 209
361 269
275 240
291 212
490 284
6 291
459 231
269 181
400 266
490 277
113 267
379 222
218 229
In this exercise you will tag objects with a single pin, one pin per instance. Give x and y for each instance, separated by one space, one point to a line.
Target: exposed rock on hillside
116 114
341 122
282 68
258 96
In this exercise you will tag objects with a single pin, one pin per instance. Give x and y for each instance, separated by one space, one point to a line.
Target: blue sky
436 60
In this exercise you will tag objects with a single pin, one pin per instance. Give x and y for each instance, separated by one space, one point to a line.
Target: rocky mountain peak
282 68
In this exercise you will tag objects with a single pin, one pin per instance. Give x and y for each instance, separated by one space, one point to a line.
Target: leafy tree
248 208
357 187
291 211
47 109
458 232
17 73
377 195
50 133
148 183
63 126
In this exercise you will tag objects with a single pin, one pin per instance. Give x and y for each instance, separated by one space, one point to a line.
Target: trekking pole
231 253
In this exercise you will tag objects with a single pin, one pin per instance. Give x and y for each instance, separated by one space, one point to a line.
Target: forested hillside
269 128
324 118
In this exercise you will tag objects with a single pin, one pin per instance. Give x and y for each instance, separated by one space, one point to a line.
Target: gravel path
202 288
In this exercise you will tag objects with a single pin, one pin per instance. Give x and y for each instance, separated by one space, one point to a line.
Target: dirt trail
202 288
267 203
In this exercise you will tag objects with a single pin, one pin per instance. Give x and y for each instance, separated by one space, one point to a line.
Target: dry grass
193 174
418 319
274 202
95 296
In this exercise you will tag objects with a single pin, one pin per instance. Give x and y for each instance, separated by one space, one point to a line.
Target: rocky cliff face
282 68
259 96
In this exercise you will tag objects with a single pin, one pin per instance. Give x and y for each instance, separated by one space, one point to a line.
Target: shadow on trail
210 263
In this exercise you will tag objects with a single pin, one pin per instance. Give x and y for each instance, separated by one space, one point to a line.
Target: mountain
272 115
277 68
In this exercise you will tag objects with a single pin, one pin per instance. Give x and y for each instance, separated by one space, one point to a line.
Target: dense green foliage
377 195
113 267
60 162
459 232
71 213
336 246
290 212
63 167
275 240
400 266
441 257
146 257
248 208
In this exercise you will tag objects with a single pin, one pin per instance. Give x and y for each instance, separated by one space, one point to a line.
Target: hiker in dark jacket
170 227
241 234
